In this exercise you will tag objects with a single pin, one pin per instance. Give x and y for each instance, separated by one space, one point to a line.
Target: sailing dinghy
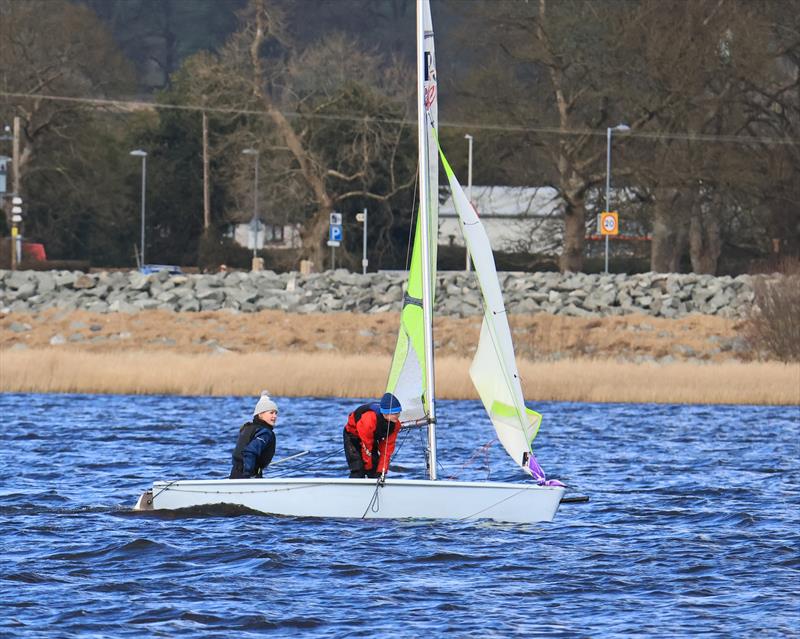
411 379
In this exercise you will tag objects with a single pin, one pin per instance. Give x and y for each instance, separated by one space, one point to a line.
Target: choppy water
693 528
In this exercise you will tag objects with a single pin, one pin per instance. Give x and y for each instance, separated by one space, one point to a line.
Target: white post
364 260
16 238
469 194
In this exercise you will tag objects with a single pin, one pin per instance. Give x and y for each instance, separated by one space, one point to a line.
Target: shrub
774 323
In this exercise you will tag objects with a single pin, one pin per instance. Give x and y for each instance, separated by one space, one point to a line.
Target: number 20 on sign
609 223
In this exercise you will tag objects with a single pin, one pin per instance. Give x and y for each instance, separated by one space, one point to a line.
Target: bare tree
54 47
693 66
329 120
562 62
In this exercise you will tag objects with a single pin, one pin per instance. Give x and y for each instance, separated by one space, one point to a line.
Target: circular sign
609 224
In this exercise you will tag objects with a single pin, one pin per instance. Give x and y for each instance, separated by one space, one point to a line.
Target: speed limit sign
609 223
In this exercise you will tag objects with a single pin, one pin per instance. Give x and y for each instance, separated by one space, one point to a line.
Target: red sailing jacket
367 423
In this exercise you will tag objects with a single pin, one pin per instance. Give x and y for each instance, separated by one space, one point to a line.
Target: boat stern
145 501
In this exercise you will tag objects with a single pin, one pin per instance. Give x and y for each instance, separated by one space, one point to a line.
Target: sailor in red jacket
370 435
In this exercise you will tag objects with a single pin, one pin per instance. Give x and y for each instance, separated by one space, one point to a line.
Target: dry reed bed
328 374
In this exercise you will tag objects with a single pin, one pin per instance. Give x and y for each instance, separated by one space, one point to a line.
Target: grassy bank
54 370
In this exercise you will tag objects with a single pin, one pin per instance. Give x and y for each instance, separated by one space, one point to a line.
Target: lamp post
621 128
362 217
468 137
254 222
142 154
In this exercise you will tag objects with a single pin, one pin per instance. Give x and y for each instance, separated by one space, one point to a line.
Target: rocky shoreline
570 294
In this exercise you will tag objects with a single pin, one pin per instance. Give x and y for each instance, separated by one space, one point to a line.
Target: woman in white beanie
255 446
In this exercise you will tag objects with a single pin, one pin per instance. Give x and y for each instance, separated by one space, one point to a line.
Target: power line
132 105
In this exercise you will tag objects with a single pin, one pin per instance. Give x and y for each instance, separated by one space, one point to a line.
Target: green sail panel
407 373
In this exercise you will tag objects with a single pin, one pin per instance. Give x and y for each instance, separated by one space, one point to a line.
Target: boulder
84 281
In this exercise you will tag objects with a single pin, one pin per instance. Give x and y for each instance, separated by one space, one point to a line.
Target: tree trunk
314 230
705 244
668 241
574 241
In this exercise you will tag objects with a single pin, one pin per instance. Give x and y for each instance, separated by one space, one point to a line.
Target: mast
424 220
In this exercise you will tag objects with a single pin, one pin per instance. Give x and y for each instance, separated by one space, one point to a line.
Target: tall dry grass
57 371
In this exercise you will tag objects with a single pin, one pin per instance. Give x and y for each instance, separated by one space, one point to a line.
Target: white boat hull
363 499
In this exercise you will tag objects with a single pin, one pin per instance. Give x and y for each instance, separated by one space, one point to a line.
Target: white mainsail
409 367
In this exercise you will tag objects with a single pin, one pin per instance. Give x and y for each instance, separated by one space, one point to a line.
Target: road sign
334 244
336 218
335 234
609 223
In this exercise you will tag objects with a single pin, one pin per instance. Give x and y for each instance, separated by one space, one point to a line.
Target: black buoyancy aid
384 427
246 434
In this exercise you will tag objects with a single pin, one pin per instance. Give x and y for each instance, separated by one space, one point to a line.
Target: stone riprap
574 294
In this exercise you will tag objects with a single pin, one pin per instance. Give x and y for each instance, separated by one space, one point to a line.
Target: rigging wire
285 472
412 217
321 457
132 105
481 450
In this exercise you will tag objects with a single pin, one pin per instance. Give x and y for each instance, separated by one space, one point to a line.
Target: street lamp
468 137
622 128
254 223
362 217
142 154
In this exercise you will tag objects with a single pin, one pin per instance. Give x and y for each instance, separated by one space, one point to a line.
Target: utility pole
15 155
206 194
254 222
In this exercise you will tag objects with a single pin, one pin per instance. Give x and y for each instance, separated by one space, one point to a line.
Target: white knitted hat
264 404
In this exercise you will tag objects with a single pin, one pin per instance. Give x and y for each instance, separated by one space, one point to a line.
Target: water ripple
693 528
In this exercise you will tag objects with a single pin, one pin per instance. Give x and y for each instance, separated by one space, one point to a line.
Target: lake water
693 527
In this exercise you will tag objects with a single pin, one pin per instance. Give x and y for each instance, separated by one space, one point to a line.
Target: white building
517 219
278 236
